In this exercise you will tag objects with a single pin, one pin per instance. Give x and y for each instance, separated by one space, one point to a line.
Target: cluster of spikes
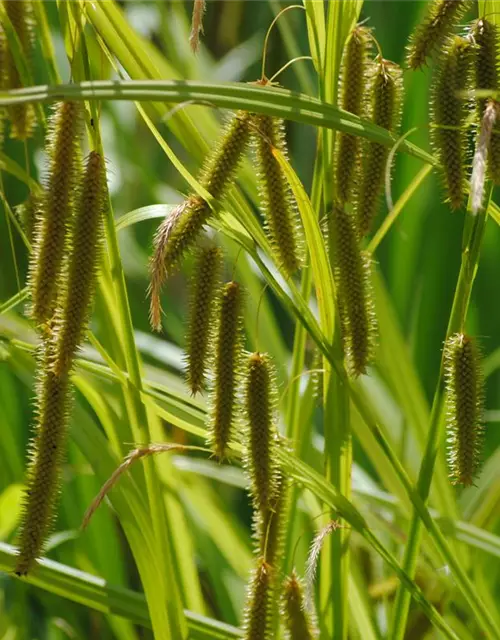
64 223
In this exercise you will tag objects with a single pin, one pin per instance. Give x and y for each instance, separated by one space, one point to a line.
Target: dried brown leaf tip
299 624
440 19
464 404
56 209
385 110
278 204
199 7
202 308
226 369
22 116
355 67
449 116
257 615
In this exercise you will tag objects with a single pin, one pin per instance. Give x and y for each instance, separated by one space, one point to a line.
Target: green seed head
204 286
226 369
298 622
385 111
278 204
269 524
464 403
72 317
441 17
257 615
355 65
352 274
450 115
56 210
28 214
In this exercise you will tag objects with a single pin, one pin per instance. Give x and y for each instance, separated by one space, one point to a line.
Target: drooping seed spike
298 621
226 369
72 317
269 524
441 17
22 116
44 470
385 111
278 205
261 433
54 222
449 116
204 286
486 66
352 275
355 66
464 404
257 616
28 214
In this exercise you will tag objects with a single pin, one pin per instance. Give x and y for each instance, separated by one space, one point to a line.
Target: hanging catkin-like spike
28 213
261 434
204 286
178 232
22 116
386 88
269 525
226 369
278 204
486 66
48 447
52 228
464 403
257 615
355 65
72 317
441 17
449 114
298 622
352 274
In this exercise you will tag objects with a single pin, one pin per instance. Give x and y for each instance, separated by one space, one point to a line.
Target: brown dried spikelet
196 24
464 404
257 616
44 470
72 317
441 17
261 433
53 224
204 285
298 622
22 116
449 116
226 369
486 65
385 111
352 275
355 65
277 201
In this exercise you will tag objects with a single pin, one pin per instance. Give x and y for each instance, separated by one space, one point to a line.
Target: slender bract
449 115
261 434
352 275
486 67
385 109
47 452
257 615
72 317
298 621
464 404
441 17
226 369
355 65
3 79
22 116
204 286
278 204
53 224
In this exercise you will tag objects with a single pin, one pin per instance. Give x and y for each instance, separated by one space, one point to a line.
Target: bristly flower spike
268 525
385 111
203 290
72 318
54 221
299 624
226 369
355 65
464 404
450 113
257 615
441 17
